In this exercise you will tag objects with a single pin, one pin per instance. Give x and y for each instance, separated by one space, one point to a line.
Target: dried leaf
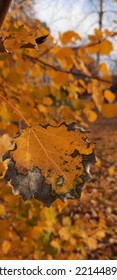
6 246
38 41
109 95
111 170
50 162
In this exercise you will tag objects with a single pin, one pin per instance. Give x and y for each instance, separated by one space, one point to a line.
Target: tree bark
4 6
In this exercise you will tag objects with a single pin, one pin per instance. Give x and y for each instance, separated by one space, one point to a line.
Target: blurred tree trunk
101 14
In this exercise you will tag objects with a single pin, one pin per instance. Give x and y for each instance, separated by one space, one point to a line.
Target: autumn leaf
69 37
110 97
21 38
50 162
104 47
5 144
38 41
91 115
109 110
6 246
111 170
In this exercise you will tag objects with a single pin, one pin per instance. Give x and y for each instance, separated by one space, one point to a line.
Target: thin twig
16 110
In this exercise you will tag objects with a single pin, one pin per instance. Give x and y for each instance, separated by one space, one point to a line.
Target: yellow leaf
102 219
42 108
92 243
64 57
109 110
35 232
5 114
100 234
69 37
5 144
64 233
98 33
2 210
109 96
103 68
91 115
6 246
58 78
111 170
98 163
107 32
49 217
47 101
66 221
92 49
105 47
56 244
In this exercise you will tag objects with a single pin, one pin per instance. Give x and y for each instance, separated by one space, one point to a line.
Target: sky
78 15
63 15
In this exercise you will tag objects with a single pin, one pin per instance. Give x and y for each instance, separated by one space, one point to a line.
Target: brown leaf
50 162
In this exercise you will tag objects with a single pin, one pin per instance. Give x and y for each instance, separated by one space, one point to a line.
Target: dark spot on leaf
75 153
41 39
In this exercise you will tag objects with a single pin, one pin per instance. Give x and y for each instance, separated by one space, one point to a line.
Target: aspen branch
76 74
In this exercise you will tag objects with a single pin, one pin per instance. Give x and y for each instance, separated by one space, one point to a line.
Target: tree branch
76 74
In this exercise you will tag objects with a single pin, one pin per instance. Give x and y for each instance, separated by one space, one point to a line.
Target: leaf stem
16 110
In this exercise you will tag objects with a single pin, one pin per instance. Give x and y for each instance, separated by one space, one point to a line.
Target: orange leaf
92 48
98 33
111 170
6 246
5 144
69 37
105 47
91 115
55 159
109 110
92 243
109 96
